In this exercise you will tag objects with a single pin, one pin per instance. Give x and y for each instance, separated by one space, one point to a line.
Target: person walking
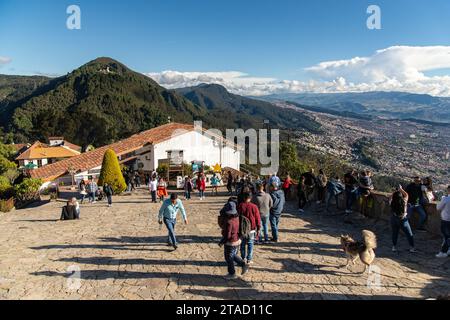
215 181
322 181
229 224
415 202
287 183
264 203
187 188
230 183
168 215
310 185
162 189
92 189
444 207
250 211
351 188
276 210
301 194
153 189
201 185
399 218
108 191
83 191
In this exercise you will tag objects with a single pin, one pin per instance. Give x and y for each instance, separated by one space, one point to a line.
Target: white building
147 150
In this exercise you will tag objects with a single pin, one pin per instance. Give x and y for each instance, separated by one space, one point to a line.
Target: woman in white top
427 190
444 207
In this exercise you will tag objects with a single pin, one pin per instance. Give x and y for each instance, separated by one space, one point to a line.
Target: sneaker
318 202
442 255
421 229
301 210
412 250
230 276
394 249
245 268
249 262
175 247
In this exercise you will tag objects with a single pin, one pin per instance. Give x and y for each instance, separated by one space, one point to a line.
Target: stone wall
378 208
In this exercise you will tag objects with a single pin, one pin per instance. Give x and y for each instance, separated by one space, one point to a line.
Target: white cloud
4 60
398 68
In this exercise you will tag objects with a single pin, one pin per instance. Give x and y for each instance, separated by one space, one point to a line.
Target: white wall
197 147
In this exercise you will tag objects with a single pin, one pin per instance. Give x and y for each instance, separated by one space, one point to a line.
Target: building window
39 163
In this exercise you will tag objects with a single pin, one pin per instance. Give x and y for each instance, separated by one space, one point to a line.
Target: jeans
92 197
187 195
321 193
170 224
201 193
274 221
403 224
231 257
265 228
83 196
301 200
422 214
248 244
109 199
153 196
350 197
445 229
328 200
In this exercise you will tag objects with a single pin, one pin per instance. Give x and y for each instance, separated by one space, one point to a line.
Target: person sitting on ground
250 211
444 207
69 211
334 189
428 191
301 194
229 224
399 218
264 203
168 215
75 203
415 202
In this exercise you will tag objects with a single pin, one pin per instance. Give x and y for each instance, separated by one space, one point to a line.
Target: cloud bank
398 68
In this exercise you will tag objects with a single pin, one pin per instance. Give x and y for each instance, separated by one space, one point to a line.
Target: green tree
289 161
7 153
111 172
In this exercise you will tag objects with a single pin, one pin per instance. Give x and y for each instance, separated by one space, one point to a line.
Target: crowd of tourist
256 203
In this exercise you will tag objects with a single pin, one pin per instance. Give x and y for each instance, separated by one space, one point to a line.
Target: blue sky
262 39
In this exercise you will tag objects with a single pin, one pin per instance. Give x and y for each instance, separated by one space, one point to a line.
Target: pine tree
111 172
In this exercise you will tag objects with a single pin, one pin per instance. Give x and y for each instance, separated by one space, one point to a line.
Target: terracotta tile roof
19 146
92 159
72 146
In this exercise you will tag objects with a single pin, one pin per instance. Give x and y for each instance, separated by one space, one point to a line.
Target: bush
28 190
111 172
163 170
6 205
6 189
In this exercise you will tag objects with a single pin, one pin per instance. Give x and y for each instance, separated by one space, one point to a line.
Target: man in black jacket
415 202
108 191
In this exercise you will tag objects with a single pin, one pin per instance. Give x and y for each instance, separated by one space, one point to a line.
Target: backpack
222 221
245 227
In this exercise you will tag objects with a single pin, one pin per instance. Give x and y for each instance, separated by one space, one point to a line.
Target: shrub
6 189
6 205
28 190
111 172
163 170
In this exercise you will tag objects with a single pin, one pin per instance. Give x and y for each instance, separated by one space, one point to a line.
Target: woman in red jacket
201 185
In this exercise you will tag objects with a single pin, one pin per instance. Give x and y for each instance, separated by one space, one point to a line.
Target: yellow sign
217 168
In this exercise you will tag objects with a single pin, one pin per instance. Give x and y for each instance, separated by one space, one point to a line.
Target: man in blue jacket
276 210
168 214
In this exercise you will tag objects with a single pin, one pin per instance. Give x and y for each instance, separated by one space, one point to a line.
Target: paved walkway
121 254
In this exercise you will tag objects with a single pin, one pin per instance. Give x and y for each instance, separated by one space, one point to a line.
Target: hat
230 208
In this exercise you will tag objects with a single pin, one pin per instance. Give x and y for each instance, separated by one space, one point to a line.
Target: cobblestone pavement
121 253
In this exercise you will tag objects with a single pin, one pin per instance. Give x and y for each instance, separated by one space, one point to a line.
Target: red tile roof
92 159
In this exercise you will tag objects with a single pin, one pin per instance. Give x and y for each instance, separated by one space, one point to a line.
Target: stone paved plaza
121 253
